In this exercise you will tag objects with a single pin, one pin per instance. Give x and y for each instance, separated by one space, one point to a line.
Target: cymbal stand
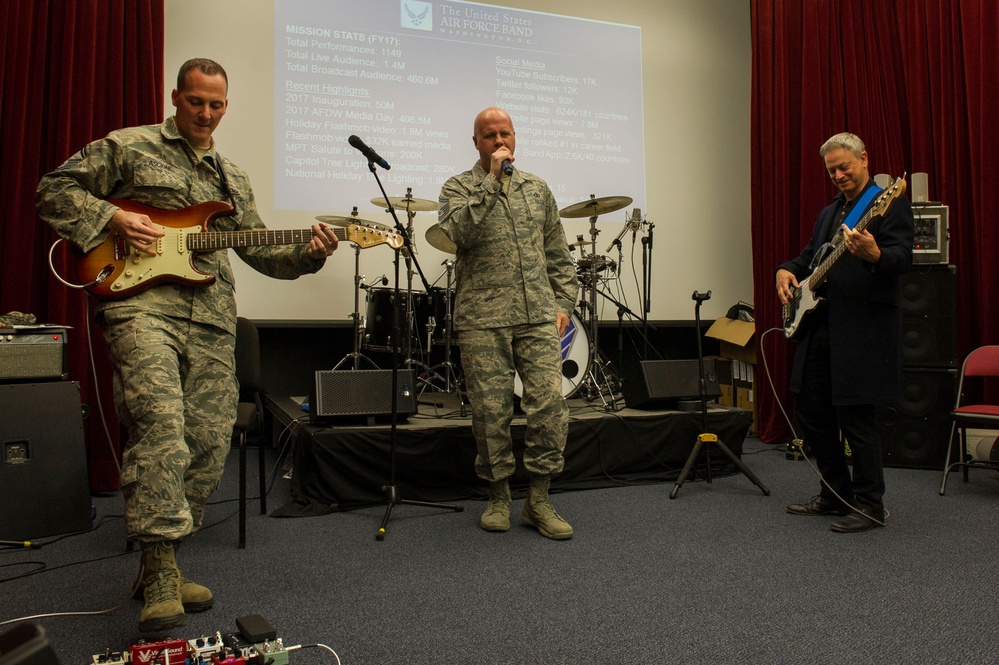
452 382
360 323
593 387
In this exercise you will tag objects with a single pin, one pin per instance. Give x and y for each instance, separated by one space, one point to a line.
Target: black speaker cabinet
928 299
914 431
43 469
361 393
652 384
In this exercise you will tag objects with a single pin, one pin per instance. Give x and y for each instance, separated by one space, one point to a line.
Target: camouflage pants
175 391
489 359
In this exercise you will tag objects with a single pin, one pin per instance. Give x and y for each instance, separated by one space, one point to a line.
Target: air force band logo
416 15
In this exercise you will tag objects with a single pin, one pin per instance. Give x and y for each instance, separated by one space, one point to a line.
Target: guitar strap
861 205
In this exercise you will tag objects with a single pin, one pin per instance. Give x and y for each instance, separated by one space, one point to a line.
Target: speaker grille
362 392
658 382
915 430
928 299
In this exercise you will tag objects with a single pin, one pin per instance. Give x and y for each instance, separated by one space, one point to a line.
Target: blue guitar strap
861 205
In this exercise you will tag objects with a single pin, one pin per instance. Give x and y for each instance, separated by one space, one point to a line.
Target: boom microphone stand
392 498
705 439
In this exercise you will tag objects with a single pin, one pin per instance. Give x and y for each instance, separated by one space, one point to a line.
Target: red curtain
910 77
70 71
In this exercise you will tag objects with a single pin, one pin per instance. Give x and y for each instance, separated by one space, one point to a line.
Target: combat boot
163 608
195 597
496 516
540 513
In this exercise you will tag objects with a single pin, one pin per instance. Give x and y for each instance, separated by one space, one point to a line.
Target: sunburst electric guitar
113 270
803 299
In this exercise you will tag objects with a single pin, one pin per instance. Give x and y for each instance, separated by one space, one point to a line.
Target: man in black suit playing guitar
849 354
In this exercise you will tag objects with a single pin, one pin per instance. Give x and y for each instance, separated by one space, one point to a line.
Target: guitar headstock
887 197
369 236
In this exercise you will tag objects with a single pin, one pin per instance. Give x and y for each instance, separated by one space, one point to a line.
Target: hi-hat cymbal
595 206
350 221
409 203
437 238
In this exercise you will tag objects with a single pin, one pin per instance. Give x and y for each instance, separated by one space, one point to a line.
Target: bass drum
575 358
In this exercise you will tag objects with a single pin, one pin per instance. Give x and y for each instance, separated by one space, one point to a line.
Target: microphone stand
647 285
705 439
392 498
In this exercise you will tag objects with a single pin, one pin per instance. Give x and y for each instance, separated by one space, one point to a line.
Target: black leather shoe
854 523
817 506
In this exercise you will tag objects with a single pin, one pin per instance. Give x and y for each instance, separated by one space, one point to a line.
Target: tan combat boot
163 609
540 513
496 516
194 596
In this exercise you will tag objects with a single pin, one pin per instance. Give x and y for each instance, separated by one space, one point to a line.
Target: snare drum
575 358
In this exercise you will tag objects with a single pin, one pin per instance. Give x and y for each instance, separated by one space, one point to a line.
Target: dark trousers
822 422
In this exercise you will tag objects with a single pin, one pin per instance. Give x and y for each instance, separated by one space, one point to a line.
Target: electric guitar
803 299
114 270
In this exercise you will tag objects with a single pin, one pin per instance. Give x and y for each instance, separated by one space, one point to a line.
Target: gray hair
844 140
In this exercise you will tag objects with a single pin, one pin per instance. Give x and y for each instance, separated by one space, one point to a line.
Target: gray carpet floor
721 574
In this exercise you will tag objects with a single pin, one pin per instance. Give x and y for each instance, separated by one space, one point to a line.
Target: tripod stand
706 439
392 498
356 356
451 381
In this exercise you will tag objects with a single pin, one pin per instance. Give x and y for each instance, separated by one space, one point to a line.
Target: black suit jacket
861 306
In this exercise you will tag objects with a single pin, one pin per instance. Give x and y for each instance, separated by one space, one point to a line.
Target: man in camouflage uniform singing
516 288
172 346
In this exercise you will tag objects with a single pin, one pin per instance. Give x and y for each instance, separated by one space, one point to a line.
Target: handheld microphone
507 167
368 152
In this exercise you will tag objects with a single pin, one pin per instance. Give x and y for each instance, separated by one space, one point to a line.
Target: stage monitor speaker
43 469
928 299
914 431
652 384
361 393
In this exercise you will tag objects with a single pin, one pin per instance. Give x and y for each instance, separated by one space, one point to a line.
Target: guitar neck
818 275
208 241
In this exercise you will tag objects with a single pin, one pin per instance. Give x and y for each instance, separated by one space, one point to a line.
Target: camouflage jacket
513 263
154 165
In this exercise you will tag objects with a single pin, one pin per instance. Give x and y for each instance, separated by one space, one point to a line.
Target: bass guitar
114 270
803 300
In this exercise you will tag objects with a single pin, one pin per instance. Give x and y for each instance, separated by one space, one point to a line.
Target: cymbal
437 238
409 203
350 221
595 206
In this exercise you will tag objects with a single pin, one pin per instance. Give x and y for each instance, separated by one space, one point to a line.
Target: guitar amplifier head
31 354
932 234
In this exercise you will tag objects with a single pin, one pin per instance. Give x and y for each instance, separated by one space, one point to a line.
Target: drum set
426 316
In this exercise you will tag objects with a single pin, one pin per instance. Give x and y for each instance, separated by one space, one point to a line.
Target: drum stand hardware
451 379
597 378
359 323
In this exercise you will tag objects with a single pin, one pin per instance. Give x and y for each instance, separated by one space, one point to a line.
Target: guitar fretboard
207 241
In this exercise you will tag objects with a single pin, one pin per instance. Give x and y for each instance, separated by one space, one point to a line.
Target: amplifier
932 234
32 353
361 393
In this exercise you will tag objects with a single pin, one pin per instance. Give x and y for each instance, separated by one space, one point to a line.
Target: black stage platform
344 466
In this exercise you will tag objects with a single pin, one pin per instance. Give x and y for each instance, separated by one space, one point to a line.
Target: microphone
368 152
633 224
507 167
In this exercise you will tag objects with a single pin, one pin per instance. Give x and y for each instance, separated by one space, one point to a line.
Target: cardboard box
737 338
723 372
745 398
